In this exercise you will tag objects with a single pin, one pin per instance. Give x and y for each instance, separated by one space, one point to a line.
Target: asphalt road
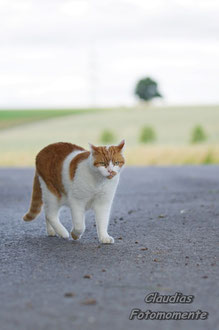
165 225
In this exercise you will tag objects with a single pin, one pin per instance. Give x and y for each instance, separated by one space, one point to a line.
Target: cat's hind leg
51 208
53 223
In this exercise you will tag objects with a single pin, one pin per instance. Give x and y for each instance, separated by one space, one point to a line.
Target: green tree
147 89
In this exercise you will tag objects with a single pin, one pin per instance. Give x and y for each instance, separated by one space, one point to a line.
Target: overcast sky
70 53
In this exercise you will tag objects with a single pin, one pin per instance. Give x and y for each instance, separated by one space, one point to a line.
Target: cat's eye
102 163
116 163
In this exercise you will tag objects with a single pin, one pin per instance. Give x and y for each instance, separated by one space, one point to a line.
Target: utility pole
93 75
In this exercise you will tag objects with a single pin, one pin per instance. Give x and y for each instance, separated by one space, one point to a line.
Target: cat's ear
93 148
120 146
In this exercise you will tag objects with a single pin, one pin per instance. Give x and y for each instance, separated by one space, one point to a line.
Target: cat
69 175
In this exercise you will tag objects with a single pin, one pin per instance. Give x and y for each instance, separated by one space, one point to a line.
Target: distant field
11 118
24 133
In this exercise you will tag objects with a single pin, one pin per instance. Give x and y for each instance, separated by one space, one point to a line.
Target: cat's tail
36 200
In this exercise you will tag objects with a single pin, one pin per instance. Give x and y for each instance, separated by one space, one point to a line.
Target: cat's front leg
78 219
102 214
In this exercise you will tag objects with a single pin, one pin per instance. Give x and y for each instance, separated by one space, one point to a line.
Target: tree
147 89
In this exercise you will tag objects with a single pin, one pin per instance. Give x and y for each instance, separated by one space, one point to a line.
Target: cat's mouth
112 174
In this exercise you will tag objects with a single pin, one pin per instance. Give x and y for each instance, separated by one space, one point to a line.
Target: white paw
64 234
51 232
107 240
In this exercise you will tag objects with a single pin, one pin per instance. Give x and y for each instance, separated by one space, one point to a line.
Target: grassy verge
173 155
140 156
172 127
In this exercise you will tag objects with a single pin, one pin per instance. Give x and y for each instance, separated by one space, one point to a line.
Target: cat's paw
50 229
63 233
51 232
66 235
74 236
106 240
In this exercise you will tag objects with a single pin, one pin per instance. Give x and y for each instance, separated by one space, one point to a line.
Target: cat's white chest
85 186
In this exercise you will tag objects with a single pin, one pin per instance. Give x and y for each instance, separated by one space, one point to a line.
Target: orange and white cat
68 175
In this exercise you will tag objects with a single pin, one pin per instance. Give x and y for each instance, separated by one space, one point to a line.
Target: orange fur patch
75 161
49 163
36 200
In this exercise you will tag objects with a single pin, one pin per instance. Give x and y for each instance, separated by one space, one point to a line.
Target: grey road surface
165 224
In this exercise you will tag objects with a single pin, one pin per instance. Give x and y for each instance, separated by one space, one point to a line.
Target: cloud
54 52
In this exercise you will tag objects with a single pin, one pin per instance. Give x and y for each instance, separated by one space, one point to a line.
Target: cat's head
108 160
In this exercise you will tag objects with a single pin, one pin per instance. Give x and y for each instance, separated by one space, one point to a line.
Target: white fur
89 189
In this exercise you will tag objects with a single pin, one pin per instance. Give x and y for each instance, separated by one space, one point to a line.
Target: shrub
147 134
107 136
198 134
209 159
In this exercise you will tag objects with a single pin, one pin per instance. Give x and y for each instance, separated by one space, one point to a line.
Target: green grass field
24 133
10 118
